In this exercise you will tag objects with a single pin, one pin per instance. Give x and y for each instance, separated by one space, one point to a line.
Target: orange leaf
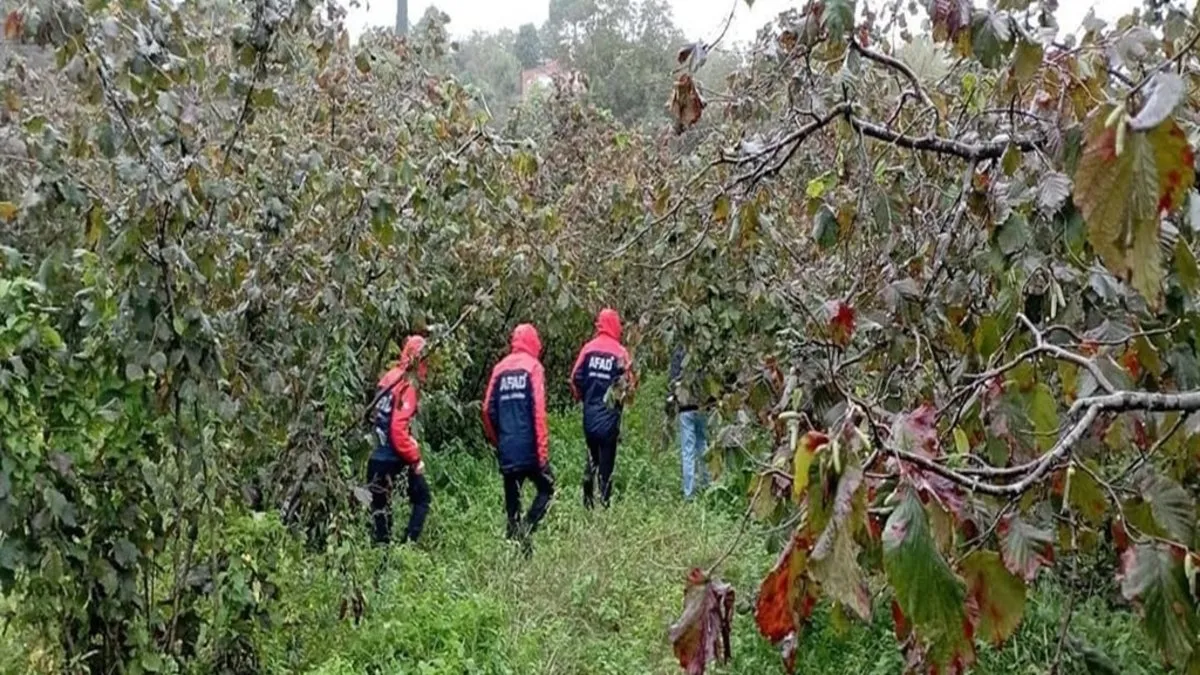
787 595
13 25
686 104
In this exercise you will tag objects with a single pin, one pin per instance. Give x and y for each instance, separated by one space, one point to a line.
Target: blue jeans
692 444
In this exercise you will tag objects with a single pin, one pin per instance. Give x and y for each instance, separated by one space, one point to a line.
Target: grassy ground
599 592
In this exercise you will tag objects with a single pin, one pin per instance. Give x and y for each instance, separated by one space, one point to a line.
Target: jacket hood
608 322
525 339
413 345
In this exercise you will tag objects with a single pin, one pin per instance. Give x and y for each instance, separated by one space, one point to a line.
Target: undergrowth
597 595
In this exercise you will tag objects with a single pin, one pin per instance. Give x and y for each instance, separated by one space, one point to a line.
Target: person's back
514 421
514 406
602 362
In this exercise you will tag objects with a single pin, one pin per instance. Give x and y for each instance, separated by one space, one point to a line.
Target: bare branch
972 152
898 65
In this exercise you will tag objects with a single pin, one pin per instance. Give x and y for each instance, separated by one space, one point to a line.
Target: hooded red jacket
514 407
403 401
601 362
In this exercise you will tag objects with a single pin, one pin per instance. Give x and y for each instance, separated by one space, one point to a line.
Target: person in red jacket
514 421
602 362
397 452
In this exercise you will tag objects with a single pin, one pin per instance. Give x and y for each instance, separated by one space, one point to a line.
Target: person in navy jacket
602 362
396 451
514 421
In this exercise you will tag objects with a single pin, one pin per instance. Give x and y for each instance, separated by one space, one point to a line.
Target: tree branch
902 68
972 152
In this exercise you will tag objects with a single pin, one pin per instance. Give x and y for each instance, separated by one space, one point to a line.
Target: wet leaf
991 37
834 558
1152 576
841 321
806 450
838 17
1166 91
686 105
926 589
1053 190
1025 549
701 635
1172 507
994 595
787 595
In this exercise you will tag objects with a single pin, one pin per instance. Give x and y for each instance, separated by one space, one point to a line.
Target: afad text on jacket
514 407
601 362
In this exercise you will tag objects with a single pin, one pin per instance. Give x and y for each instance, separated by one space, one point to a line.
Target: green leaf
817 186
1024 548
362 61
1185 266
1172 507
825 228
961 444
134 372
805 450
1027 60
991 37
264 97
1152 575
125 553
926 589
722 208
838 17
994 595
1011 160
834 558
1043 413
987 337
158 363
94 229
1117 189
1087 497
1013 235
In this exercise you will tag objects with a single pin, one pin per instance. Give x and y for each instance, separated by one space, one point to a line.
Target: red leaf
701 634
787 595
1132 364
841 321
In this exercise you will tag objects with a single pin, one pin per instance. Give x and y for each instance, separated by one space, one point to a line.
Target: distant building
542 75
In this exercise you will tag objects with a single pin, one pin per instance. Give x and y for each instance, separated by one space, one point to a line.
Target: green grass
599 592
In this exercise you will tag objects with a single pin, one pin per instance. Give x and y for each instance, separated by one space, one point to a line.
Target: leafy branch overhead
985 311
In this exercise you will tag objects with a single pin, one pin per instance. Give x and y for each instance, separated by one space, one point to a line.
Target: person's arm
539 416
405 407
675 372
577 376
488 414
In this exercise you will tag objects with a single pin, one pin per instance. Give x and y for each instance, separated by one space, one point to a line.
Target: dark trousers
602 457
544 482
382 476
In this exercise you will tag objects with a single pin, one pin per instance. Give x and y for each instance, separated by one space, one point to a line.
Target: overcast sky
699 19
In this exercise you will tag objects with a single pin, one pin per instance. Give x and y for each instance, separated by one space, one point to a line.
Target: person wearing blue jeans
693 422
